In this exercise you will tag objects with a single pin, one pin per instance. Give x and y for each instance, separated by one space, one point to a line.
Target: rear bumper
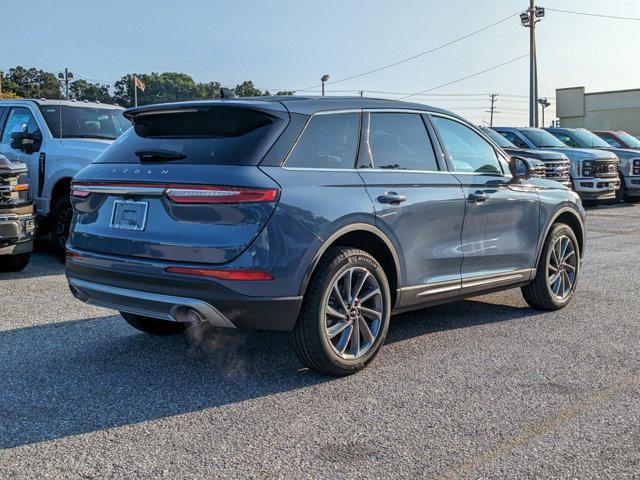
16 233
144 288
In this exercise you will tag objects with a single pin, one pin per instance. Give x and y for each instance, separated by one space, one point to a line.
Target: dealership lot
482 388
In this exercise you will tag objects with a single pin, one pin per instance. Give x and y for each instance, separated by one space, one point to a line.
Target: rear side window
397 141
219 135
328 141
469 151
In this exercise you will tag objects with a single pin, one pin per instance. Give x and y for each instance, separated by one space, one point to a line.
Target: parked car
594 173
619 139
320 216
629 160
55 139
556 164
16 216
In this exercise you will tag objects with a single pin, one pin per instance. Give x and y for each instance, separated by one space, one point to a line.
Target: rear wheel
14 263
345 315
153 326
557 273
60 224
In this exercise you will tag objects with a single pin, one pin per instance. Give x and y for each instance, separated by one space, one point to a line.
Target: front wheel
14 263
60 224
153 326
557 273
345 315
621 193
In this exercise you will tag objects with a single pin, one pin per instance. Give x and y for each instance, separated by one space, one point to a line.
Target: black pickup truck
17 224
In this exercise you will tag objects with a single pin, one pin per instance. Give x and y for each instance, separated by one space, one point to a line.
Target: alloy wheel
353 313
562 267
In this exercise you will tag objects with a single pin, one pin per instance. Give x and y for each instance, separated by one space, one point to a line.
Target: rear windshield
497 138
542 138
84 122
220 135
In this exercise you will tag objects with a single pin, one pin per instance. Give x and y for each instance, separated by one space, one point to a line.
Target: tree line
20 82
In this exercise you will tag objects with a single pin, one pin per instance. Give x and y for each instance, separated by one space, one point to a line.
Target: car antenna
227 93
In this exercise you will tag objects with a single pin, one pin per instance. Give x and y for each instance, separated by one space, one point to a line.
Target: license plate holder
129 215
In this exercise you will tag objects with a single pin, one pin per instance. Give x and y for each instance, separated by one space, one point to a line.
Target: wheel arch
370 239
61 187
571 218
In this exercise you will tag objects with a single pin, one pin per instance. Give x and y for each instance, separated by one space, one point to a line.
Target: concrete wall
616 110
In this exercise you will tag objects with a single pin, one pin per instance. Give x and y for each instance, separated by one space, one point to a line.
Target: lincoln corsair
318 216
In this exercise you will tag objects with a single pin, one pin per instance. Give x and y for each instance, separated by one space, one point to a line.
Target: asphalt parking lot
477 389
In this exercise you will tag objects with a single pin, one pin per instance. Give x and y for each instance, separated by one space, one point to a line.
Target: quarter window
397 141
469 151
19 118
328 141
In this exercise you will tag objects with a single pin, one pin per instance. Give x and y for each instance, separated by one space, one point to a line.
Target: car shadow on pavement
75 377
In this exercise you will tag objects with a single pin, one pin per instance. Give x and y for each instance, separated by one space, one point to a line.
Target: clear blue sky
287 44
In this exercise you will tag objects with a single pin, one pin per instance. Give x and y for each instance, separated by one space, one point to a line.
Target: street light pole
544 103
67 76
529 20
323 79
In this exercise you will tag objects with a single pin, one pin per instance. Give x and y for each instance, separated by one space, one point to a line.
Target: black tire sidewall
360 259
59 228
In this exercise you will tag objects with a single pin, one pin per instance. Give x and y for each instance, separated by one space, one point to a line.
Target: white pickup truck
56 139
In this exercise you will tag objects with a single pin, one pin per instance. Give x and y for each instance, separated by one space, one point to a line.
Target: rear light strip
179 193
250 275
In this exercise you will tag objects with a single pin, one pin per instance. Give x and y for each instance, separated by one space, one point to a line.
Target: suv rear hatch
182 185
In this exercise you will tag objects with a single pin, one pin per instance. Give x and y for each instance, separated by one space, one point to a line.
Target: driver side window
470 153
18 117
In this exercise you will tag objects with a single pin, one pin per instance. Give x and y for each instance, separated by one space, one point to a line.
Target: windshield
497 138
589 140
541 138
629 140
84 122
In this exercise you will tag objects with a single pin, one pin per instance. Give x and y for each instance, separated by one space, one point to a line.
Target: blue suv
319 216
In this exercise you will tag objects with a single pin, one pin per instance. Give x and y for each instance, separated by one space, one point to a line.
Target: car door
16 119
500 231
417 202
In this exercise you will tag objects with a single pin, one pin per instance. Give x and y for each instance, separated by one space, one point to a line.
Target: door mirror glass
524 168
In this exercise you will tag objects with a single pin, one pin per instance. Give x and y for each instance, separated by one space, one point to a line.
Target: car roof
306 105
68 103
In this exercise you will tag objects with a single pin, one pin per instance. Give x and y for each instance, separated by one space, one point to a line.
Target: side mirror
26 142
525 168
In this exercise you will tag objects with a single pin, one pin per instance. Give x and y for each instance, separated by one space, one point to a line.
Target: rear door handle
392 198
479 196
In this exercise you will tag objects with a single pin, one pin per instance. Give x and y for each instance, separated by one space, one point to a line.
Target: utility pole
66 77
544 103
492 109
529 20
1 73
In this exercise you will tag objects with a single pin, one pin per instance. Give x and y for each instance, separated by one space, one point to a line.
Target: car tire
590 203
14 263
60 224
558 271
345 314
154 326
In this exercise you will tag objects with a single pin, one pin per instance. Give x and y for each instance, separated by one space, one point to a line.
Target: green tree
247 89
93 92
31 83
159 88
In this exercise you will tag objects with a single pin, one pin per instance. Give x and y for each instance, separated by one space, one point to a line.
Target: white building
614 110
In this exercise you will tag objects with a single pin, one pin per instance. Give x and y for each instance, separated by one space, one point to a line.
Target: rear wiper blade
158 155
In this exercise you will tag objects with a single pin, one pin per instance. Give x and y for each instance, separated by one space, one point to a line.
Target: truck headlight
635 167
587 169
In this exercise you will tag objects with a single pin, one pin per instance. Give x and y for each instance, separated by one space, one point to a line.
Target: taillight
79 192
219 194
251 275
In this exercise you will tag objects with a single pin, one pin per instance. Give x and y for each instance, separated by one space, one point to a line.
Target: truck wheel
154 326
60 223
621 193
557 273
14 263
590 203
345 314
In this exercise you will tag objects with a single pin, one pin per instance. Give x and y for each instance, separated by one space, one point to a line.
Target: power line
466 77
413 57
616 17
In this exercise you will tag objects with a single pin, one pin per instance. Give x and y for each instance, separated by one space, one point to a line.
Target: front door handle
392 198
479 196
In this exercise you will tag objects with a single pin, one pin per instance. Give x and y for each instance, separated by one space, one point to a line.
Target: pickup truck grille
5 188
558 171
606 168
